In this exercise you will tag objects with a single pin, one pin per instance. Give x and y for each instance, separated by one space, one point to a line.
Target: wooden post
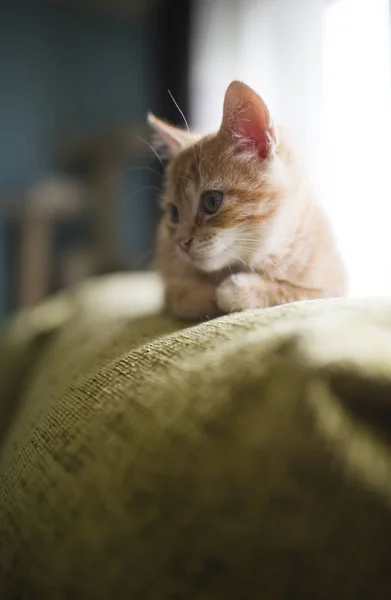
35 253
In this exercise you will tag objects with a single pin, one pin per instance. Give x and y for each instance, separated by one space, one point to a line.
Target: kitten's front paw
239 292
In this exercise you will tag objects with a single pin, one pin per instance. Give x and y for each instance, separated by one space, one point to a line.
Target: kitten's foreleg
191 300
244 291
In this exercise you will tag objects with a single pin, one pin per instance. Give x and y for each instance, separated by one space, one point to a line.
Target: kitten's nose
184 243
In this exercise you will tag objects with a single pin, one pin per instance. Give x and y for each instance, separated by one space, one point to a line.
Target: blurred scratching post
60 199
104 161
35 250
53 201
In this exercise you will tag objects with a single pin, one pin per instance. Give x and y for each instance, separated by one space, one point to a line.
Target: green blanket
247 457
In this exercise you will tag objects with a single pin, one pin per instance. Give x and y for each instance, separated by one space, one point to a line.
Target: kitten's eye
173 212
211 201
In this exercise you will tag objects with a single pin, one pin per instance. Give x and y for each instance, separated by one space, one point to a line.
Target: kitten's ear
168 140
247 121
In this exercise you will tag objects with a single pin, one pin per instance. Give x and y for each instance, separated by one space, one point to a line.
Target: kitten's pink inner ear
247 121
169 139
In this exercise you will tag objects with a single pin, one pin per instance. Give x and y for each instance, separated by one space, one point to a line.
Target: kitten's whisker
300 260
276 266
123 171
246 248
144 168
149 146
179 110
249 243
186 123
236 257
144 189
248 239
244 244
200 159
250 267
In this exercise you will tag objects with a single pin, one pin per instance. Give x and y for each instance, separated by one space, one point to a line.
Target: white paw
237 293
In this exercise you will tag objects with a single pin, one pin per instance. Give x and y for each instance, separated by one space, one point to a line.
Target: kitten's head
223 191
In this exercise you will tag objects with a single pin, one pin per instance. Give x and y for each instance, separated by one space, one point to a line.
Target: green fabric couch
244 458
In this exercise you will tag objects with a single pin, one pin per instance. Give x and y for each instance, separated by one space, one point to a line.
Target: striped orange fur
268 242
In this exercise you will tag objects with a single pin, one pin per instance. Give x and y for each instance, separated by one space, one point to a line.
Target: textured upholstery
247 457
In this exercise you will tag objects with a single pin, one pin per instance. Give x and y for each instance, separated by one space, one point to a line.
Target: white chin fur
207 265
215 263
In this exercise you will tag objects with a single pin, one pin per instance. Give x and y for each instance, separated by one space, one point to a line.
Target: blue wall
65 71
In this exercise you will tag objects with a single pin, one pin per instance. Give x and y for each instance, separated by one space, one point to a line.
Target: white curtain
356 111
272 45
318 64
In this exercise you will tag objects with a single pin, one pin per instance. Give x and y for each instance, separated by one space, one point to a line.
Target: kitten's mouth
209 262
208 259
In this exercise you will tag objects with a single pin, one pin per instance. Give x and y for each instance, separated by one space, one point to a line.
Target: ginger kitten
241 228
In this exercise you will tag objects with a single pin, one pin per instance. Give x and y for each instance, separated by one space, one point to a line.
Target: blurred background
78 180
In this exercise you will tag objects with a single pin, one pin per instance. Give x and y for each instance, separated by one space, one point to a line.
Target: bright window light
356 107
